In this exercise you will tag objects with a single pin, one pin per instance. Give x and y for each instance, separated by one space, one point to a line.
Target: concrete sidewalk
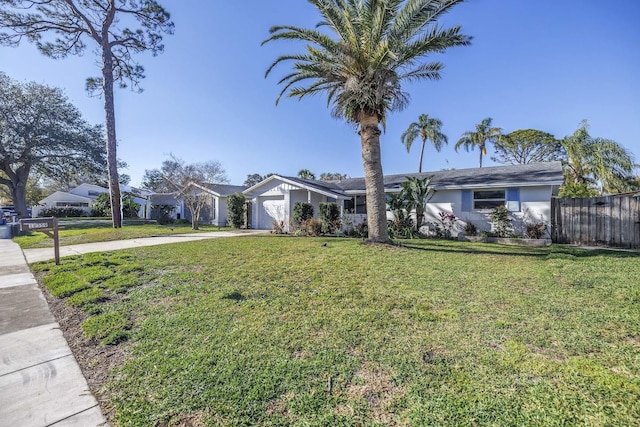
40 381
44 254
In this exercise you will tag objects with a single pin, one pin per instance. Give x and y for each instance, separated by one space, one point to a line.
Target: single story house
215 210
83 196
469 194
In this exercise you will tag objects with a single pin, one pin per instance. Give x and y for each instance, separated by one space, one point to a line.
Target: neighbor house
469 194
84 195
215 209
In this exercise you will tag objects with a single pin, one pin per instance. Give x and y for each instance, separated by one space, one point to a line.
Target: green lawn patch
279 331
74 233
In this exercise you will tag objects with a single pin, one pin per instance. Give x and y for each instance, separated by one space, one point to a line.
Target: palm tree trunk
374 179
112 161
424 141
480 157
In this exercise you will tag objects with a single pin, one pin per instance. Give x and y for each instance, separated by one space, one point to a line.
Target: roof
326 188
223 190
532 174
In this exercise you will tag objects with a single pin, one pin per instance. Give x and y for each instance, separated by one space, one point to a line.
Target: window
72 205
488 199
357 205
213 208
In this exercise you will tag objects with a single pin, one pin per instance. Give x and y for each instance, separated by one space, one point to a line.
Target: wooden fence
599 221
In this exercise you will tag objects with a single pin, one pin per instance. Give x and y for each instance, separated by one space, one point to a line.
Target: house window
488 199
71 205
94 193
356 205
213 208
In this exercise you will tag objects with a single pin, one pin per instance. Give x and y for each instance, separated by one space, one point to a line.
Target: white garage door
271 209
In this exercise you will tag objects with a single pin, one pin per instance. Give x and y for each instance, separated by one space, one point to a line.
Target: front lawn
85 231
306 331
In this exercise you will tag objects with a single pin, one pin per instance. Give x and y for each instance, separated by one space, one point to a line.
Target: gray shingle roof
225 189
549 173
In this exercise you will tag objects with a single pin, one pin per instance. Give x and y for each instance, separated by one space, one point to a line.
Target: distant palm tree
306 174
429 128
365 50
484 133
597 161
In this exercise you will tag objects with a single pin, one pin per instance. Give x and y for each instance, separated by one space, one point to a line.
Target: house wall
272 192
535 206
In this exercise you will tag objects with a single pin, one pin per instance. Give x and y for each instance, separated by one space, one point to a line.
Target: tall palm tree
484 133
428 128
358 55
597 161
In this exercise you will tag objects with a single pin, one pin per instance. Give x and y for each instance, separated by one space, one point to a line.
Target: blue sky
543 64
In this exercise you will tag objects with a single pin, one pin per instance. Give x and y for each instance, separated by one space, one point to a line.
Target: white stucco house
83 196
469 194
215 210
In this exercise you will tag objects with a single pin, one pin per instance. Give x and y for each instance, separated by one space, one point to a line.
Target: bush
330 217
62 212
500 221
447 224
470 229
236 205
313 227
101 206
536 231
162 213
401 228
302 211
130 208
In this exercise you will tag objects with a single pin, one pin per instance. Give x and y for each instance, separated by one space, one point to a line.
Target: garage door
271 209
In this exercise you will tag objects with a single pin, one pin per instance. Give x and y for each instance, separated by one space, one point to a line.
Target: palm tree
306 174
428 128
365 50
597 161
416 194
484 133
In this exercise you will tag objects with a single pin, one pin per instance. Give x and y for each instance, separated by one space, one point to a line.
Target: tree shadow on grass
555 251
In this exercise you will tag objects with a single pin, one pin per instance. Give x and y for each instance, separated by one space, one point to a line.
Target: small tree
188 181
236 205
416 193
162 213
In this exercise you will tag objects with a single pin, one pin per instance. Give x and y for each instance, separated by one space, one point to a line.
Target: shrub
470 228
302 211
130 208
162 213
101 206
446 225
500 221
401 227
278 226
330 217
536 231
236 205
62 212
313 227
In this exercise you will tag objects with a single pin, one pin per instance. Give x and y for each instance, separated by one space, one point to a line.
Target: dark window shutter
513 199
466 201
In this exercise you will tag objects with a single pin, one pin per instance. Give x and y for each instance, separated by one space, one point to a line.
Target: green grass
285 331
74 233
